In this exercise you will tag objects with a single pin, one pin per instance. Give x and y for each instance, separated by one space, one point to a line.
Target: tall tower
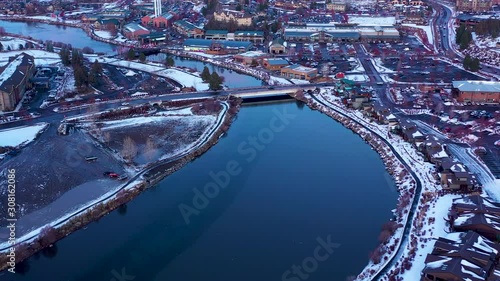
157 4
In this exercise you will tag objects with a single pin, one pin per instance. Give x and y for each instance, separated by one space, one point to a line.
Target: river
305 179
79 39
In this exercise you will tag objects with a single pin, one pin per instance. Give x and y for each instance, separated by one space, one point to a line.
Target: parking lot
426 70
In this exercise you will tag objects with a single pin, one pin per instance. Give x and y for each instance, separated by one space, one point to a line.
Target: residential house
455 176
379 113
392 121
487 225
462 256
133 30
411 134
277 46
475 204
274 64
298 71
433 150
15 80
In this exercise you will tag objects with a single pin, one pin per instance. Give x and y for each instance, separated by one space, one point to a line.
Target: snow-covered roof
477 86
12 73
133 27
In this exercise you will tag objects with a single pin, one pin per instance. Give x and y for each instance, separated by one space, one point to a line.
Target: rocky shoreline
50 235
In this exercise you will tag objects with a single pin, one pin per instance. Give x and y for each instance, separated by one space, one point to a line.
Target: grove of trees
213 79
472 64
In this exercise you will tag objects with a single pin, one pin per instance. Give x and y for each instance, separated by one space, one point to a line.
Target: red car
113 175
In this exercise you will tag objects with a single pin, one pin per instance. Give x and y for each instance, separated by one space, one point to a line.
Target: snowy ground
12 43
439 210
48 216
378 64
274 80
41 57
372 21
50 18
299 81
359 67
104 34
486 42
357 77
183 78
426 28
20 135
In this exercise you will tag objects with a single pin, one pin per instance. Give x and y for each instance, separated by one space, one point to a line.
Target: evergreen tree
49 46
169 61
459 31
9 48
205 74
1 47
21 46
475 65
215 82
64 54
142 57
131 54
96 67
76 57
81 78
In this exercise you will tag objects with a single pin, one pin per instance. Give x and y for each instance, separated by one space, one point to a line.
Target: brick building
477 91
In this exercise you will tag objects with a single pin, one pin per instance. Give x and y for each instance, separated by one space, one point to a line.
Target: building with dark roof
220 46
462 256
188 29
15 80
216 34
274 63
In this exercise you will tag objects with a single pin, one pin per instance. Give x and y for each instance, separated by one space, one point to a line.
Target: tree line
83 76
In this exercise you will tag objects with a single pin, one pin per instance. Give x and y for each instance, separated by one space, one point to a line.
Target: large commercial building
15 79
477 91
474 5
298 71
381 30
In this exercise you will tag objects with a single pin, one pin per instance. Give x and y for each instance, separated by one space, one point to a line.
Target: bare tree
129 150
150 149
